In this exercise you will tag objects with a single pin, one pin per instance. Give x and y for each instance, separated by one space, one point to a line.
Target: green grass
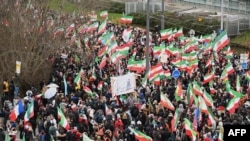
243 39
63 5
113 17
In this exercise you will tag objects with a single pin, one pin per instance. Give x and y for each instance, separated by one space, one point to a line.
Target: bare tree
25 37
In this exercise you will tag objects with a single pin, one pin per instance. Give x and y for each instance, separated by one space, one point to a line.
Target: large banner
18 67
123 84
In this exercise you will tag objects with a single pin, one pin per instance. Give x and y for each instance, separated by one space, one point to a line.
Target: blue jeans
16 91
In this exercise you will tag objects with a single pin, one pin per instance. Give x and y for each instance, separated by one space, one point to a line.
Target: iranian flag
178 33
139 135
221 134
189 56
221 41
173 50
234 93
175 120
154 71
191 46
208 99
63 121
82 29
77 79
197 89
208 77
93 27
165 102
211 119
165 33
229 68
157 50
88 91
179 92
137 66
123 48
100 85
206 38
102 27
103 62
112 46
229 54
202 105
166 74
176 61
102 51
189 129
115 57
29 113
126 35
104 14
126 19
233 105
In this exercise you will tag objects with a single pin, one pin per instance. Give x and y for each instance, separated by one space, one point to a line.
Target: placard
123 84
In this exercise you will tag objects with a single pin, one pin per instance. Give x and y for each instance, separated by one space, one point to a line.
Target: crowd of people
211 91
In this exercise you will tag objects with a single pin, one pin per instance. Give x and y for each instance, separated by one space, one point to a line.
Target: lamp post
222 15
162 16
147 38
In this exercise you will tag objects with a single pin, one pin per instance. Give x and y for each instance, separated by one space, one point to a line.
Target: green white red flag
197 89
189 129
88 91
175 120
29 113
208 77
165 102
221 41
102 27
221 134
165 33
208 99
104 14
202 105
137 66
233 104
126 19
139 135
78 77
63 121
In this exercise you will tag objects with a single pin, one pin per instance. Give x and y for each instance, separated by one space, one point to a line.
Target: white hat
138 122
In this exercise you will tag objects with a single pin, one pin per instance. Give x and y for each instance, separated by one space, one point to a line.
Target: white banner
18 67
123 84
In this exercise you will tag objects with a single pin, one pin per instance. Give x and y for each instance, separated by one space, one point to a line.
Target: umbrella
50 93
52 85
